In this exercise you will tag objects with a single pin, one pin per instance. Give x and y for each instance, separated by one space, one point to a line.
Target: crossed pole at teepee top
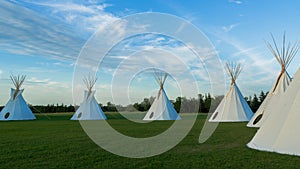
17 81
160 77
89 82
233 70
284 56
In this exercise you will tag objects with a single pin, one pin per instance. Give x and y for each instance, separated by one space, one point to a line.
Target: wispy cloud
36 80
47 83
147 51
235 1
244 51
229 27
40 91
57 33
88 16
259 66
28 33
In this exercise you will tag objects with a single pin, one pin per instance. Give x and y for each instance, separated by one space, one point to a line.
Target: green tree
145 104
255 103
177 104
262 96
201 103
207 103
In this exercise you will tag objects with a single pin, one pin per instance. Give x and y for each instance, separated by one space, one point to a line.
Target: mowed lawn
53 141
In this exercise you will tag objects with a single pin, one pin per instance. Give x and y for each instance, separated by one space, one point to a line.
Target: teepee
284 57
89 109
233 107
280 133
16 108
161 108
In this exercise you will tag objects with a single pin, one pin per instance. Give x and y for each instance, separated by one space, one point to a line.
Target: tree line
203 104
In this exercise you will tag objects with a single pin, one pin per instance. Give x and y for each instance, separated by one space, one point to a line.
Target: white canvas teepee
161 108
233 107
89 109
284 58
16 108
280 133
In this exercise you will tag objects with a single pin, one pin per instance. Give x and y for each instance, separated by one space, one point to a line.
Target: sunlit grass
53 141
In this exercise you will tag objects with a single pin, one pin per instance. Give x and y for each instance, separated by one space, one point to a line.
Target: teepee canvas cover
280 133
233 107
16 108
89 109
161 108
284 58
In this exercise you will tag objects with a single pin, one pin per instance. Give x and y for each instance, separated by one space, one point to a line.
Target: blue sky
42 39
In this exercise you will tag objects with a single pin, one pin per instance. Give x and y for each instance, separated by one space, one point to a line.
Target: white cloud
259 66
47 83
229 27
36 80
244 51
57 33
40 91
235 1
28 33
87 16
181 27
157 51
68 7
37 93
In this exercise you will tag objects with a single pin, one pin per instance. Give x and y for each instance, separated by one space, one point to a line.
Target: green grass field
53 141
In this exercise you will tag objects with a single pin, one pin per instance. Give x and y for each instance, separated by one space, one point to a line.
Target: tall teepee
16 108
89 109
233 107
280 132
161 108
284 57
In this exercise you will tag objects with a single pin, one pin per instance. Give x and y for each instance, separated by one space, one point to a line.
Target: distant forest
203 104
